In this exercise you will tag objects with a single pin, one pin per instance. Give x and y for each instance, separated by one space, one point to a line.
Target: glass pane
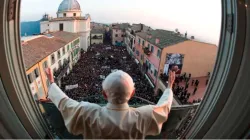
179 36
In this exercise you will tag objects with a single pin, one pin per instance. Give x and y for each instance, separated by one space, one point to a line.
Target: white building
69 19
58 51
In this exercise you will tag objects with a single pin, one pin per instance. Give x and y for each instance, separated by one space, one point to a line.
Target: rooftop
167 38
140 27
69 18
38 48
69 5
96 31
121 26
65 36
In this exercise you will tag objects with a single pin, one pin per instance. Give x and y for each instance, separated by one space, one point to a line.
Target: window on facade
74 14
155 73
139 41
68 48
137 53
36 73
64 14
143 43
152 49
121 41
35 96
48 24
60 63
61 26
53 60
159 53
30 79
63 50
116 35
116 30
142 57
148 45
58 54
45 64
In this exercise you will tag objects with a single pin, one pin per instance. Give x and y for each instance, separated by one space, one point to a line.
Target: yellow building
57 51
39 87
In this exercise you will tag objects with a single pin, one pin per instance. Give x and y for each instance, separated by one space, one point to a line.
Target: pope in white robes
116 119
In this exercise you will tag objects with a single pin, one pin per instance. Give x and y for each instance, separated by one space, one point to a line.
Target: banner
69 87
174 59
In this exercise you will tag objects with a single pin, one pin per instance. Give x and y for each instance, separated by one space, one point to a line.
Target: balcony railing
178 120
146 51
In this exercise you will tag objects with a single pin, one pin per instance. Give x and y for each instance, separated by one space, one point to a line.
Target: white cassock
111 121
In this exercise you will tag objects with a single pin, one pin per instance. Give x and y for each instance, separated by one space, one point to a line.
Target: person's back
116 119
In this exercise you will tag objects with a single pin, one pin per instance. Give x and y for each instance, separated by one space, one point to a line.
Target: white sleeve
166 98
55 94
160 112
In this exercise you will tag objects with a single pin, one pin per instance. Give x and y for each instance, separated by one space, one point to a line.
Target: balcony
178 120
146 51
61 70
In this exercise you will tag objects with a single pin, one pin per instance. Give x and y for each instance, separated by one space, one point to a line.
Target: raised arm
71 110
162 108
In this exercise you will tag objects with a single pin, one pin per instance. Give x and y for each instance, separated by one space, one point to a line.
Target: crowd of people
181 91
97 63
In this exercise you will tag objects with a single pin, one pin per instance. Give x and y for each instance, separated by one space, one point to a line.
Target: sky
199 18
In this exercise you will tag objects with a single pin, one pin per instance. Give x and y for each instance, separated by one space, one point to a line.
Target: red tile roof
65 36
37 49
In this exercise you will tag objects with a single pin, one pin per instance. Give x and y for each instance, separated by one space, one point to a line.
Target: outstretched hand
171 78
49 75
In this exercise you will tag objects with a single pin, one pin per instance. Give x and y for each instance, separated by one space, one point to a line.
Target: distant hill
30 28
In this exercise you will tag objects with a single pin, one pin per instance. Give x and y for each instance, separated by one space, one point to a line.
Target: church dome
69 5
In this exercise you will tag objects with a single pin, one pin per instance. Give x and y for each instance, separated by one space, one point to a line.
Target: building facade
130 37
157 50
118 34
97 36
49 51
69 18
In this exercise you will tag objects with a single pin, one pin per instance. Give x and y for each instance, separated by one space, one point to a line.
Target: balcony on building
178 120
147 51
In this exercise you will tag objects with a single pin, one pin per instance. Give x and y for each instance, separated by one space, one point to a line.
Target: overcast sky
201 18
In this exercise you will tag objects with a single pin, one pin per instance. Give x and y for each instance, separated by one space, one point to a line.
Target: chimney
157 41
